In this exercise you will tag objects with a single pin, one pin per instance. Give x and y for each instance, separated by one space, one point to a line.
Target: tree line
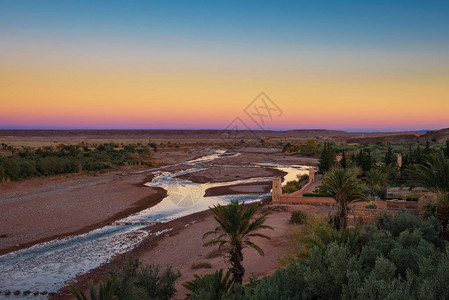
64 159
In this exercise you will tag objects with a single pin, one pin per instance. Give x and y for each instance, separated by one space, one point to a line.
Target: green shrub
291 186
155 282
404 220
298 217
209 287
401 197
322 195
295 185
399 259
371 205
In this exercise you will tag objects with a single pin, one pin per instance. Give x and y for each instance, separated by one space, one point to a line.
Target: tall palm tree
434 174
235 230
344 186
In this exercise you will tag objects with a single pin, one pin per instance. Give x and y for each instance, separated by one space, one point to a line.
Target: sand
247 188
226 173
182 248
42 209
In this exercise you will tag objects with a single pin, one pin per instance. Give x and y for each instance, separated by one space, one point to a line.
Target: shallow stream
48 266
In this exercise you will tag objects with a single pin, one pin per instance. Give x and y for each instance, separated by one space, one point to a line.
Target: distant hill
417 136
332 135
440 135
386 138
158 132
314 132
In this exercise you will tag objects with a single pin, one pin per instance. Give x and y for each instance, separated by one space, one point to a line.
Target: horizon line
222 129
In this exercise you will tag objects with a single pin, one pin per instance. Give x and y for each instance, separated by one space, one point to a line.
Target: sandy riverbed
42 209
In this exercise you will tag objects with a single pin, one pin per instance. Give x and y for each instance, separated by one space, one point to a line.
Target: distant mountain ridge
336 135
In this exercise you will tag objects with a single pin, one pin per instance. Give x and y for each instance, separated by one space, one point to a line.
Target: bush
401 197
371 205
201 265
11 168
393 261
298 217
322 195
209 287
156 283
429 208
291 186
404 220
295 185
214 253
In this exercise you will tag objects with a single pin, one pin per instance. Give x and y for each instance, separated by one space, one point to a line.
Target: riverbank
181 247
90 201
44 209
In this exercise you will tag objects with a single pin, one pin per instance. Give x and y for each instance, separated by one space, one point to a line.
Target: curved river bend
48 266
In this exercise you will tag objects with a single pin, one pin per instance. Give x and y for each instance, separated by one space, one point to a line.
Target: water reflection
49 265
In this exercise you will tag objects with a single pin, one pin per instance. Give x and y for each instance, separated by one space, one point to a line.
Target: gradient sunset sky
354 65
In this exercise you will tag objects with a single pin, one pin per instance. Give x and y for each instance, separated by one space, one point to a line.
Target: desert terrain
39 210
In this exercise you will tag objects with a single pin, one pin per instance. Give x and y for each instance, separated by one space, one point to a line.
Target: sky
349 65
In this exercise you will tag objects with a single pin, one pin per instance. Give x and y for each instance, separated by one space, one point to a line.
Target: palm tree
215 284
344 186
377 179
109 290
434 174
235 230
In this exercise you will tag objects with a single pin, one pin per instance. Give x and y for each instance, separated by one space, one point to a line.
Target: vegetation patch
25 162
298 217
202 265
295 185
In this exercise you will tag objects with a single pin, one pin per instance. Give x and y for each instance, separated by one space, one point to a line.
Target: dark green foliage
27 169
236 229
427 149
295 185
327 158
377 180
298 217
290 187
446 150
364 159
362 264
62 159
343 161
433 174
316 194
418 157
404 220
371 205
12 168
150 280
3 176
344 186
209 287
414 198
390 158
109 290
